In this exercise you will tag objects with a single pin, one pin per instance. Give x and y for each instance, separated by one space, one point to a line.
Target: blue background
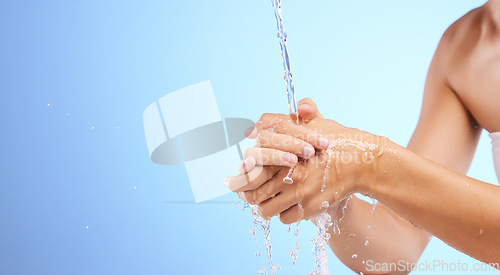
101 63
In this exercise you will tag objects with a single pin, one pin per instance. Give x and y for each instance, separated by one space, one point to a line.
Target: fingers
306 134
247 165
291 215
268 156
308 110
285 143
267 190
266 121
251 180
281 202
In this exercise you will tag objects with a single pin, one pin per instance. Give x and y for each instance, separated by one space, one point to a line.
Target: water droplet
87 227
481 231
48 104
325 204
288 179
135 187
374 204
262 271
92 128
117 127
257 253
367 242
289 228
251 232
352 235
301 211
354 256
68 114
369 227
236 203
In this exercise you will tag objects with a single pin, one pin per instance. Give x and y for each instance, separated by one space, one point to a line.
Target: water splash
295 254
337 222
288 179
374 204
282 37
296 232
481 226
265 226
323 221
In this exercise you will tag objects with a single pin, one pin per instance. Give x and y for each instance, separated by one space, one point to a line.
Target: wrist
385 156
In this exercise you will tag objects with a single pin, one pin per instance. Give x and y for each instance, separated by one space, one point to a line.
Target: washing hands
298 171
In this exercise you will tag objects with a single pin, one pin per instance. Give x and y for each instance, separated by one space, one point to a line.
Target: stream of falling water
324 219
265 226
282 37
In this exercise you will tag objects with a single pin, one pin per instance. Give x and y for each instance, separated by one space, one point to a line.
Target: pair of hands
325 160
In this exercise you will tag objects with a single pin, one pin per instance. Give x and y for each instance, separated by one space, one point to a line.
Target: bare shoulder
461 36
468 61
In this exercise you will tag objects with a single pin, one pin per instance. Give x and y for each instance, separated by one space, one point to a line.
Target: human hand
320 181
261 163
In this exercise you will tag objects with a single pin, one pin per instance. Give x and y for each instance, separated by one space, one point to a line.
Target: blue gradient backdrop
101 63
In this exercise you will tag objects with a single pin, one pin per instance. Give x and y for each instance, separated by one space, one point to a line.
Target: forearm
459 210
364 236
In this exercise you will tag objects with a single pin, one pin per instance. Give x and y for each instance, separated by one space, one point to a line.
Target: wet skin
422 189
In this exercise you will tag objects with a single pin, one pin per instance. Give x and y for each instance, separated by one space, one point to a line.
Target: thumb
308 110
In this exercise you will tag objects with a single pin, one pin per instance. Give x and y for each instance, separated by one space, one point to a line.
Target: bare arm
446 134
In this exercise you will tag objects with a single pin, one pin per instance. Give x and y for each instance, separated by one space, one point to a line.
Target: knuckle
266 117
264 139
280 127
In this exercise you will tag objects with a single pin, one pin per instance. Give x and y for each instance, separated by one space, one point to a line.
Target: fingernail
309 151
323 142
249 163
290 158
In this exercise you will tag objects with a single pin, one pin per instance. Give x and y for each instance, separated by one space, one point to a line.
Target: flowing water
265 226
323 221
282 37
